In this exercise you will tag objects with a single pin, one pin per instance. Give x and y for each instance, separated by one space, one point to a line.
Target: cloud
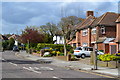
11 28
60 0
17 15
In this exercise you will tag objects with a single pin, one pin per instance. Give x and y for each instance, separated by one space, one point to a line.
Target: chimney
89 13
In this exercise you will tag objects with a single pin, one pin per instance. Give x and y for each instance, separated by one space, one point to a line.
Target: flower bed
108 60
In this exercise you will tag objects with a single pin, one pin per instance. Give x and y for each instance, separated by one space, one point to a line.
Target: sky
15 16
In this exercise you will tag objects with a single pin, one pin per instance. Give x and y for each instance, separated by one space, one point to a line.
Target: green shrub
73 58
71 51
108 57
61 54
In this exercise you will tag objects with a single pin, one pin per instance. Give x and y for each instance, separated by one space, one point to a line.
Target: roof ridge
93 21
103 16
86 19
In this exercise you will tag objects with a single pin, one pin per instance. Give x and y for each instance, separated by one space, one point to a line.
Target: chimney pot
90 13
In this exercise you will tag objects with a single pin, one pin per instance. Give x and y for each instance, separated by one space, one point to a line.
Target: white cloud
60 0
18 15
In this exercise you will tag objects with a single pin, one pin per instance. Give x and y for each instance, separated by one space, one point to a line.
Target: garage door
112 49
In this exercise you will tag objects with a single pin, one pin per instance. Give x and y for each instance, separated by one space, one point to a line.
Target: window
85 44
119 46
93 30
60 37
103 30
78 48
84 32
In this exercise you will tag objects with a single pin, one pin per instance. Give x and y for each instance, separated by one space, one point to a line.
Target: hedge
57 47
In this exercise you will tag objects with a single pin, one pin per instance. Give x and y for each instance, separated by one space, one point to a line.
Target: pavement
76 65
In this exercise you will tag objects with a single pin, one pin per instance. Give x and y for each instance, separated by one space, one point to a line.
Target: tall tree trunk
65 50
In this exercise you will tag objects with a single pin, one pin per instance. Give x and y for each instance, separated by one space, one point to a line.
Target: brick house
118 35
101 30
83 30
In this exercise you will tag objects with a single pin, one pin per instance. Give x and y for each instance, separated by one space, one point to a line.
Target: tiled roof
3 37
107 19
86 23
118 20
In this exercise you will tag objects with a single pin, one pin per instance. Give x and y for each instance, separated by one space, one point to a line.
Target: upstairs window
60 37
93 31
84 32
102 30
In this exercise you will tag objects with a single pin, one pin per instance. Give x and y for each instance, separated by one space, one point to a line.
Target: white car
84 51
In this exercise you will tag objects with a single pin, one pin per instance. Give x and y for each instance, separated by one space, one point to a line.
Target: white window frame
102 28
93 30
84 32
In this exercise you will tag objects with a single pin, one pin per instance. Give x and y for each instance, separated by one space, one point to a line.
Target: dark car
15 48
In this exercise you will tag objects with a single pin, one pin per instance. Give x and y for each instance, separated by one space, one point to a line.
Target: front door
106 48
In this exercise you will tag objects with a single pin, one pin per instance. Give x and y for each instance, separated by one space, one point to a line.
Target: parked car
15 48
84 52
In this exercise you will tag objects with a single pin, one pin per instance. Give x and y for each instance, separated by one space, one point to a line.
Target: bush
71 51
60 54
57 47
53 53
108 57
73 58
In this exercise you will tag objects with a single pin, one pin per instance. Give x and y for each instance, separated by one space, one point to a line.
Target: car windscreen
88 49
78 48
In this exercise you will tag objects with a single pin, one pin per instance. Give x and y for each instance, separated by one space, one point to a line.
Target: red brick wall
93 36
109 32
101 46
87 38
118 32
83 38
78 39
118 36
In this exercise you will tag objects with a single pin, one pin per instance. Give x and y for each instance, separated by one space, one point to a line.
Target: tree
68 25
32 35
8 44
11 43
50 30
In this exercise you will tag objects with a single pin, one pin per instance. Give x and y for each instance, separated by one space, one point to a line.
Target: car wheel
83 56
78 56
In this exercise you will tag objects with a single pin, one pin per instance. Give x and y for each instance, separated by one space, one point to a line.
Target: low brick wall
36 54
62 58
110 64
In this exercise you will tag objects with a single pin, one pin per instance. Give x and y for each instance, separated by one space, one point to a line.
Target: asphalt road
19 68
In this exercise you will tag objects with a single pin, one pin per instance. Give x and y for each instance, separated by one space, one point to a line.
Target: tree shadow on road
21 61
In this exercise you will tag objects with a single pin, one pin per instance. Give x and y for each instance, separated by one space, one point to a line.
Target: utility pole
95 49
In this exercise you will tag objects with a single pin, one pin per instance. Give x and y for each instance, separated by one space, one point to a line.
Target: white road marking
13 63
31 69
26 68
47 68
3 59
57 78
36 71
36 67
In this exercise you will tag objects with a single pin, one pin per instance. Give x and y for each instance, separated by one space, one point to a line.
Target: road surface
19 68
